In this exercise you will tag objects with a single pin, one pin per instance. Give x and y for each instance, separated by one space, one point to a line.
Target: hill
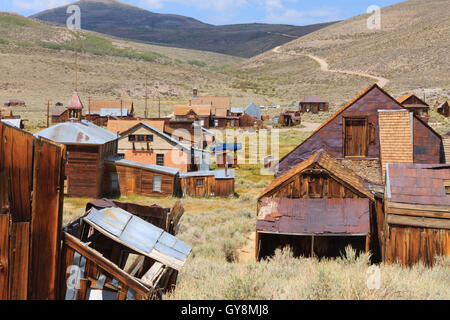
125 21
410 52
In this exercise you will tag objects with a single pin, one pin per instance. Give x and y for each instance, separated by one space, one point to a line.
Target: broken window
356 140
200 182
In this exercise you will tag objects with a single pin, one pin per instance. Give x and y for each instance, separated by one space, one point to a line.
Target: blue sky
296 12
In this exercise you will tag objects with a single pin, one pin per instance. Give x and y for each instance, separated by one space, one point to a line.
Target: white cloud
38 5
280 11
217 5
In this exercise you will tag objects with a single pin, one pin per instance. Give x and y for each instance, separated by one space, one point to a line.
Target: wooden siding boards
19 260
329 135
46 222
4 256
446 143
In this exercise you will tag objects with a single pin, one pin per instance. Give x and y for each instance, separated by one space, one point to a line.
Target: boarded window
157 183
160 159
356 140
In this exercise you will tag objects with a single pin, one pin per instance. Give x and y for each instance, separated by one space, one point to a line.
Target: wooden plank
418 222
105 264
419 207
18 260
419 213
46 222
4 255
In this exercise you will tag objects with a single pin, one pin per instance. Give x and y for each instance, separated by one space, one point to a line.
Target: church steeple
74 108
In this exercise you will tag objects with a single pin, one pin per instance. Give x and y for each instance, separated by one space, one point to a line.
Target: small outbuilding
253 111
313 104
443 108
415 105
219 183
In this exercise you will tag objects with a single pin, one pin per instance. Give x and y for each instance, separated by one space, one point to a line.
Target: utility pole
76 62
146 96
159 107
48 111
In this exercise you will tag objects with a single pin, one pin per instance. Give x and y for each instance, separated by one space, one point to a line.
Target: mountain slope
122 20
410 50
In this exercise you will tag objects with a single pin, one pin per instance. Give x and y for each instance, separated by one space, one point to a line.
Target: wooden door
355 137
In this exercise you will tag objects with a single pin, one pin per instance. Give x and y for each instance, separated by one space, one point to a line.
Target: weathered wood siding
138 181
428 147
211 187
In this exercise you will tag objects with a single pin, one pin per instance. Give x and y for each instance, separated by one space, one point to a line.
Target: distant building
15 103
415 105
443 108
87 148
289 119
253 111
313 104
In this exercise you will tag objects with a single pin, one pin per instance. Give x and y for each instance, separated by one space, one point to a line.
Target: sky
219 12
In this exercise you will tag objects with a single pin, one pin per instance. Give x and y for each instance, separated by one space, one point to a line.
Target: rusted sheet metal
46 220
417 184
16 147
314 216
139 235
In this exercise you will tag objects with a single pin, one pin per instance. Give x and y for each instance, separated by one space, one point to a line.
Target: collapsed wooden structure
289 119
39 261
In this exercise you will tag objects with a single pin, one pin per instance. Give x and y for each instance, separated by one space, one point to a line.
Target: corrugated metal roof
314 216
218 174
83 132
140 235
112 112
236 110
420 184
13 122
152 167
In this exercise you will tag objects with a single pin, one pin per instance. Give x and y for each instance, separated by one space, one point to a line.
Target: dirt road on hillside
324 67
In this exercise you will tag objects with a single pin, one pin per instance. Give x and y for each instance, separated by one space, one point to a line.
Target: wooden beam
419 213
418 222
103 263
18 260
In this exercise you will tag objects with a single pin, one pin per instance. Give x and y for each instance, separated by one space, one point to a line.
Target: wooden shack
443 108
417 213
289 119
218 183
220 105
352 133
15 103
415 105
87 148
313 104
197 113
126 177
318 208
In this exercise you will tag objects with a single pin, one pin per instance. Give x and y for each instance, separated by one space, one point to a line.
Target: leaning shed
352 133
318 208
218 183
126 177
87 147
417 211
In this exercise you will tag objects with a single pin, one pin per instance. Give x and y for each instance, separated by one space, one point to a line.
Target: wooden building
146 144
443 108
446 142
254 111
415 105
220 105
105 108
218 183
417 213
200 114
225 122
352 133
313 104
289 119
87 147
318 208
15 103
236 112
126 177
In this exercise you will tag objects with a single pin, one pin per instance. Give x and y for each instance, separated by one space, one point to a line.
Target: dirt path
324 67
247 252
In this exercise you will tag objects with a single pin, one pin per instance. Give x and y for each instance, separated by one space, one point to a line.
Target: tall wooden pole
76 62
159 107
48 111
146 96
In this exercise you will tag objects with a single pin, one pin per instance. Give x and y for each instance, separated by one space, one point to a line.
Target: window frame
200 185
157 160
155 184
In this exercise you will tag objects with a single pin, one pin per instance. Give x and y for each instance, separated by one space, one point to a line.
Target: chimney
195 93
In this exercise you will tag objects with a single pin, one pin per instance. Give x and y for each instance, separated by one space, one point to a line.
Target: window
141 138
356 140
157 183
216 123
447 187
202 123
149 138
131 137
200 182
160 159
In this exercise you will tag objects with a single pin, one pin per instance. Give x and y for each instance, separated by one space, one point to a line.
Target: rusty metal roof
139 235
83 132
420 184
314 216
